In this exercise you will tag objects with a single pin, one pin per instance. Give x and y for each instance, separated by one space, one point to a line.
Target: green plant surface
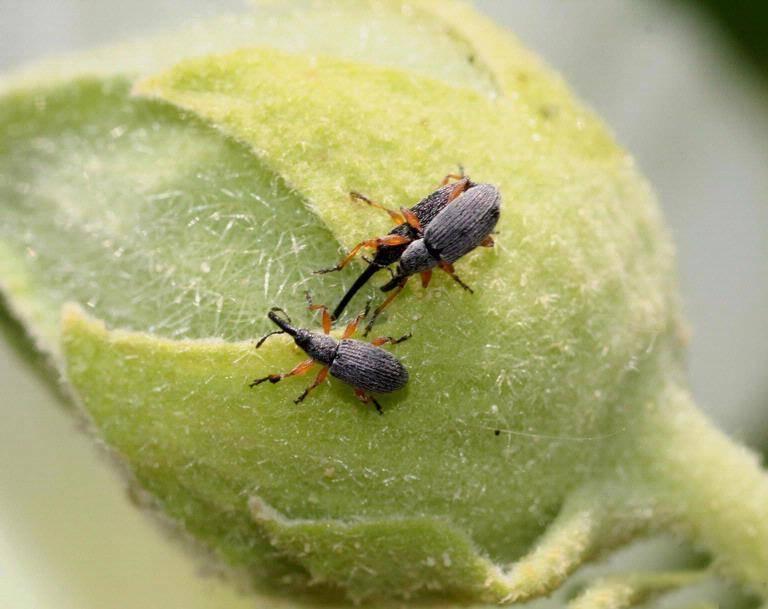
632 589
150 222
419 36
116 175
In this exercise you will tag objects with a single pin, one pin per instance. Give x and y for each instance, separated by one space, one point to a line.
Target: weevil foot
333 269
377 405
368 399
271 378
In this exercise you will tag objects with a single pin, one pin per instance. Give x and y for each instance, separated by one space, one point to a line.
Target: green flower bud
159 202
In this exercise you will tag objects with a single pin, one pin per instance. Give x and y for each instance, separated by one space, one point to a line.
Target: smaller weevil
463 225
365 366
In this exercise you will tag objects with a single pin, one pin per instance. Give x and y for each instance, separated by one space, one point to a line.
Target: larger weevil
457 230
365 366
390 247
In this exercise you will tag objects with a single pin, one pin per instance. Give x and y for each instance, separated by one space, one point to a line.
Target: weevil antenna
263 339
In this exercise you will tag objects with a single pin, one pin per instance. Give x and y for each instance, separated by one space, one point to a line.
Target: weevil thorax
319 347
463 224
416 258
427 209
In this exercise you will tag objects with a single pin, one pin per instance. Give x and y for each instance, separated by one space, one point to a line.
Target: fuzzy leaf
530 428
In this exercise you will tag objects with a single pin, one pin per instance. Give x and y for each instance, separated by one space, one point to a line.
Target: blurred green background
682 84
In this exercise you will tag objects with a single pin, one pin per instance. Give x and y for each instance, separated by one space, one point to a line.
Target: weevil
458 229
365 366
390 247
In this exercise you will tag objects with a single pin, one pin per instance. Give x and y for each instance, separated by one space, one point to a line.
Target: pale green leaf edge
502 80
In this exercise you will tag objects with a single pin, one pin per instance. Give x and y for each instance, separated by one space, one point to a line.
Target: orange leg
301 368
384 305
319 379
454 176
367 399
396 217
351 328
383 340
487 242
412 219
324 309
426 277
458 188
448 268
373 243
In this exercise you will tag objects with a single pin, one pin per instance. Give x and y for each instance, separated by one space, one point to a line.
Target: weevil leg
351 328
451 176
384 305
397 218
448 268
368 399
488 241
373 243
324 309
377 405
392 274
352 253
458 188
301 368
383 340
319 379
454 176
412 219
426 277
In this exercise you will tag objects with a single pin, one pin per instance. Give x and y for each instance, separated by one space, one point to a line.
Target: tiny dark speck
549 111
496 432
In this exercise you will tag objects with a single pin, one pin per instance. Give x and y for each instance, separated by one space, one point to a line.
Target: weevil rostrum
390 247
365 366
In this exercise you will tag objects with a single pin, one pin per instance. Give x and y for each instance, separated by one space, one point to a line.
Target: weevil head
319 347
415 259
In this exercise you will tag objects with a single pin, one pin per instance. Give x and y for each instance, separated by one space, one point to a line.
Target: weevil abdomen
367 367
465 223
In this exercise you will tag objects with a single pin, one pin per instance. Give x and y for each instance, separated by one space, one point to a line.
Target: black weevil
458 229
365 366
390 247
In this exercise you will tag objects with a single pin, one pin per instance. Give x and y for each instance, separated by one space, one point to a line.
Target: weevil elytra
458 229
365 366
390 247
